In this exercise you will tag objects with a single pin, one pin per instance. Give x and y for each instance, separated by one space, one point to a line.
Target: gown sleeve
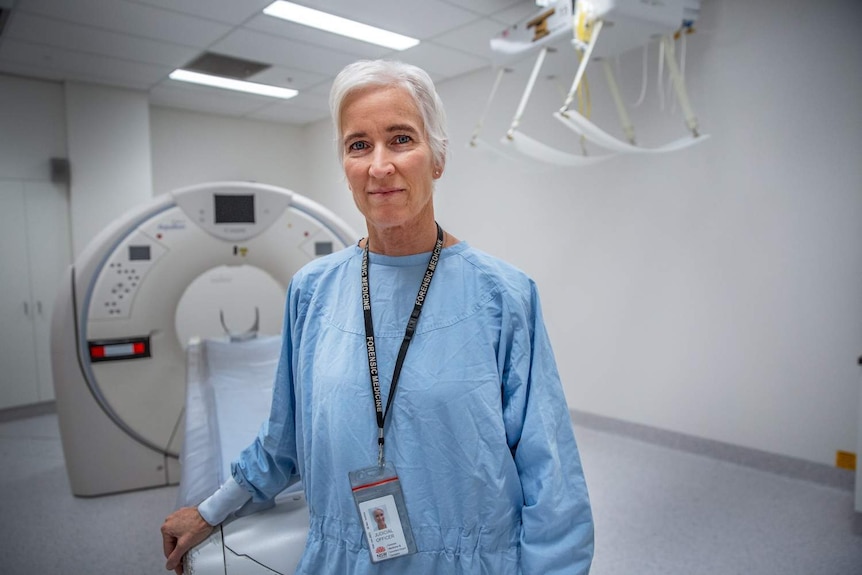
556 518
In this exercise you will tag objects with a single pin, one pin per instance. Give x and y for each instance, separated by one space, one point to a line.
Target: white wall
32 128
327 183
716 291
108 133
189 148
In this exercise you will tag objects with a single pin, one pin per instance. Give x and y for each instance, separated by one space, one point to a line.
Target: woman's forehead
375 103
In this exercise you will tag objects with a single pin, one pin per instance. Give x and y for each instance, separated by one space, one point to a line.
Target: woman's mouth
383 192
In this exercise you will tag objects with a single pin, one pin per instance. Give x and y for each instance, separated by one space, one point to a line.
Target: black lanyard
408 335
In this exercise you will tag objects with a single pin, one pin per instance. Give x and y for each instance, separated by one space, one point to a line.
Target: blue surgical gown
479 431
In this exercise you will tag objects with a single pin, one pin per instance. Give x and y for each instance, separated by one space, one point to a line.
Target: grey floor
657 511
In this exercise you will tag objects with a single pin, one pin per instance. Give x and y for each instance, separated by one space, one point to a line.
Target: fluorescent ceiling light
338 25
230 84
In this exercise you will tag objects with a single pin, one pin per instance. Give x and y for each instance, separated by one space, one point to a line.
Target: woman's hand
182 530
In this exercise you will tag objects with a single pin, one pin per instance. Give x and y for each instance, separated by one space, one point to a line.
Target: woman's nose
381 164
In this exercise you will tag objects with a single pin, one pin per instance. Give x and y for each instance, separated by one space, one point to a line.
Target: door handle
39 307
26 309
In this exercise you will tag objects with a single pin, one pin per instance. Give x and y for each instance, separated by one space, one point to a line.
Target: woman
467 412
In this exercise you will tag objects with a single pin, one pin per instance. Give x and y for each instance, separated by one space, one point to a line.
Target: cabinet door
49 251
18 379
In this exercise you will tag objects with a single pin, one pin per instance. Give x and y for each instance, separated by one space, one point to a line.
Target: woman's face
387 160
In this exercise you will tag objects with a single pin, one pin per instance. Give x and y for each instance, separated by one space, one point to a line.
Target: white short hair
417 83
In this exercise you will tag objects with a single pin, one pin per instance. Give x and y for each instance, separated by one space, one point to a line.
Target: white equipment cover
228 396
542 152
575 121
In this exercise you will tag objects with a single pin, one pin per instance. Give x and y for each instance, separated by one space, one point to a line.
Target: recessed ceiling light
338 25
231 84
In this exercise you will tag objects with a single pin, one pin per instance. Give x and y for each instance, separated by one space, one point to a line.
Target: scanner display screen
234 209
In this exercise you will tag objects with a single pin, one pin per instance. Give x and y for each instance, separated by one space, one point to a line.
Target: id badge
382 512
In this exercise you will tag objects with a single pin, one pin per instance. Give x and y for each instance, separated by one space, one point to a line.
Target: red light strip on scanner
112 350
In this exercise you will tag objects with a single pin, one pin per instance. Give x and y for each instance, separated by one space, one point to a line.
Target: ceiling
135 44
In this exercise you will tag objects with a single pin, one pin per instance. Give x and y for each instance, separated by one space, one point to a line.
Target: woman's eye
357 146
402 139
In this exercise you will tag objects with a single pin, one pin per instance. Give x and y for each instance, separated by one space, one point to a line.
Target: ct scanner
122 319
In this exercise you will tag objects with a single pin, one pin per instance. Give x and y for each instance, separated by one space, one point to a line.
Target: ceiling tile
50 32
206 99
443 61
310 101
474 38
307 35
516 12
131 18
420 20
272 49
288 78
227 11
83 67
322 90
487 7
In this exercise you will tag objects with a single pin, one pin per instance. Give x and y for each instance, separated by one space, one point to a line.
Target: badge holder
380 502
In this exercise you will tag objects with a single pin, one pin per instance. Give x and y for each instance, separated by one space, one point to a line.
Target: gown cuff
229 497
